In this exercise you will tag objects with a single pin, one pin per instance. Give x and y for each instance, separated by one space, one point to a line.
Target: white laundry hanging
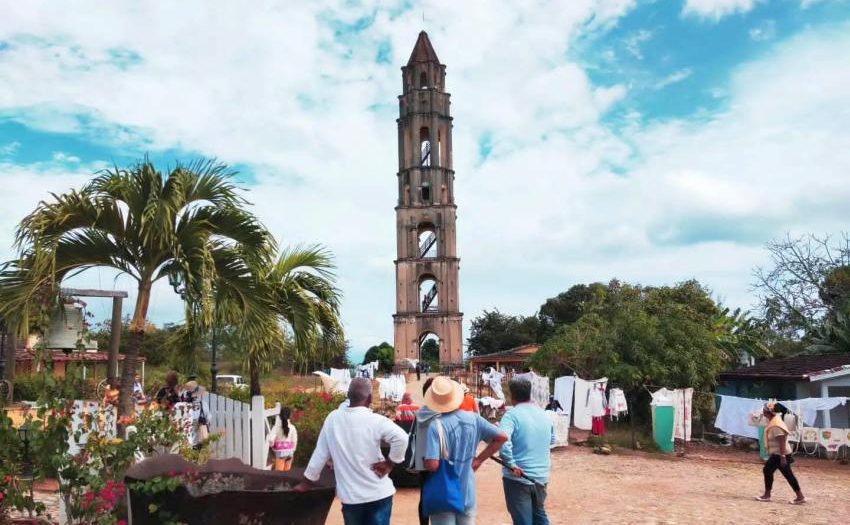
563 394
539 388
681 400
582 414
392 387
617 405
493 379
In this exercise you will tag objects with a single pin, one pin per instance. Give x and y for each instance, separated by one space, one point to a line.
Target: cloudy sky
652 141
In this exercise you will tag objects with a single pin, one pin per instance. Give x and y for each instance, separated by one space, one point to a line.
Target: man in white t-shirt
351 437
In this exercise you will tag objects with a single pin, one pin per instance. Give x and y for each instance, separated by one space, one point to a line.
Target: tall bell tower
427 264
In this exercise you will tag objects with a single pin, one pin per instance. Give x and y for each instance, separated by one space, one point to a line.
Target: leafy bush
32 387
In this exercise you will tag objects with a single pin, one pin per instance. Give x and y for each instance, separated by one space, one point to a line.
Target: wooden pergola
9 343
118 297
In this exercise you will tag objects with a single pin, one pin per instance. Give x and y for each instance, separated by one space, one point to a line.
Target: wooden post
114 339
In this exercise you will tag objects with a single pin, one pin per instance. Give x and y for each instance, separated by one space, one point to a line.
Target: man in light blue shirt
526 454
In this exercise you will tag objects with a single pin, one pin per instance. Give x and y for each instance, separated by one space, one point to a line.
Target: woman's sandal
762 499
797 501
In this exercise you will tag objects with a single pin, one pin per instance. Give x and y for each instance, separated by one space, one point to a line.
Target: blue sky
652 141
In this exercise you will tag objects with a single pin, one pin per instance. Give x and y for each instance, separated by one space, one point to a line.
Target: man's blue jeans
526 502
372 513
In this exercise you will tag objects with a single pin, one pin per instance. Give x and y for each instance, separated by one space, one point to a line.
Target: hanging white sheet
539 388
563 393
582 413
561 425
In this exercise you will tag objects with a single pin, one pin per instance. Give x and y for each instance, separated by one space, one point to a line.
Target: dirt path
649 489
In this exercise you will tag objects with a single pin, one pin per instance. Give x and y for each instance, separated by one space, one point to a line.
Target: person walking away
424 417
283 440
418 372
405 413
351 437
526 456
462 432
776 438
167 396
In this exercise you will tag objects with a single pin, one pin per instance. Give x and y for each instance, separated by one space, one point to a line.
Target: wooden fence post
258 432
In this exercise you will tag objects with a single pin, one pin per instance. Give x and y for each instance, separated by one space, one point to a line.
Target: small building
797 377
515 358
94 363
510 361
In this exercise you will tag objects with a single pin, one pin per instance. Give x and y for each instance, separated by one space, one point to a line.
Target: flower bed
168 489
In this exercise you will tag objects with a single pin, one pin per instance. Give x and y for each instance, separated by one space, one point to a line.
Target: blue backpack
442 491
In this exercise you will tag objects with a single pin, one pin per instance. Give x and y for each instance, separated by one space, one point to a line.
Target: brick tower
427 264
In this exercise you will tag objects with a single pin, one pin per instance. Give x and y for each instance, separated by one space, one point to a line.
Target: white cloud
10 148
717 9
544 211
59 156
674 78
764 31
635 40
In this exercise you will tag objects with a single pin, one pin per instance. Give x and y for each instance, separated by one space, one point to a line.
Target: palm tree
184 226
293 308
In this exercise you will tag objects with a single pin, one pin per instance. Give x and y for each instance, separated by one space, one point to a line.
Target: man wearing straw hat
462 432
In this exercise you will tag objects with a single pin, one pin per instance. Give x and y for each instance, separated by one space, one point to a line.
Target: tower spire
423 51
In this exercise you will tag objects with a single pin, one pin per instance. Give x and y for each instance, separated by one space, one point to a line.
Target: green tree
383 353
567 307
493 331
674 336
288 308
430 352
183 226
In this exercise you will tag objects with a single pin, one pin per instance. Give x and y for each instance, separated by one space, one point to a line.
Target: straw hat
444 395
191 386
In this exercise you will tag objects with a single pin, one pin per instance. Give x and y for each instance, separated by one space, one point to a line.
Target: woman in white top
283 439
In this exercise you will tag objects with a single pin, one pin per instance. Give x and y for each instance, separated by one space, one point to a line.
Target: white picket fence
243 427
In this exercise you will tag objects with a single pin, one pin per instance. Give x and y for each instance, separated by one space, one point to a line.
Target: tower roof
423 51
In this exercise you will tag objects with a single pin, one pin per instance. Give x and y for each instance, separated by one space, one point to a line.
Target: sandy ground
627 488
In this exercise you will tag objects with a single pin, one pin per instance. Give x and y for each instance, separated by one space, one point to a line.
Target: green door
662 427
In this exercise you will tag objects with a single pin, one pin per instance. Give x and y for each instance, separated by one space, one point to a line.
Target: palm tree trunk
255 378
137 333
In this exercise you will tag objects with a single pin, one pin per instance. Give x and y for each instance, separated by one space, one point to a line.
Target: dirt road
630 488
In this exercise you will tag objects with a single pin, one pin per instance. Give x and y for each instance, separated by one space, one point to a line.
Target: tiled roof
799 367
59 356
520 352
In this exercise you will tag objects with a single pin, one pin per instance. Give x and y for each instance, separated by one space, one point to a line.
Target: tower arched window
427 241
423 80
428 297
424 146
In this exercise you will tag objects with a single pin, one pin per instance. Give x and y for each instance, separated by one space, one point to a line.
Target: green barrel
662 427
762 449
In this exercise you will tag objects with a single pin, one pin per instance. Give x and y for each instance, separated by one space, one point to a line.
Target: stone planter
249 495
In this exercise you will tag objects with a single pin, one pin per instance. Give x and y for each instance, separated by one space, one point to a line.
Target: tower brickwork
427 262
